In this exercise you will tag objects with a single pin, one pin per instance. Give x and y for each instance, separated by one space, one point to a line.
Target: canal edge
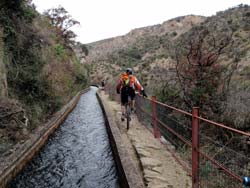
23 155
128 175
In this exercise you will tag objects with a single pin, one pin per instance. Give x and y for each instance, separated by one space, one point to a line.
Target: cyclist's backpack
125 80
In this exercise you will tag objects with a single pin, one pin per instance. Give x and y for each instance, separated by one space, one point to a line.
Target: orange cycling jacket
133 82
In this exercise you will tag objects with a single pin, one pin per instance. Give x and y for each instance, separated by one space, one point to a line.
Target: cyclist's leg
124 100
123 112
122 105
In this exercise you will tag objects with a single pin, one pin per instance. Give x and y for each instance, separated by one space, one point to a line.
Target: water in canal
77 155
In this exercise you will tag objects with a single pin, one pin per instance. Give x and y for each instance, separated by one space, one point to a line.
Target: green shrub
31 62
59 49
173 34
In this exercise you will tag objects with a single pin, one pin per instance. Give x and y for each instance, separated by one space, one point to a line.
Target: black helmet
129 71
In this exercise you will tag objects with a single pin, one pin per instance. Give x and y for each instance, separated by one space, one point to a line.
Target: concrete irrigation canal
92 149
77 155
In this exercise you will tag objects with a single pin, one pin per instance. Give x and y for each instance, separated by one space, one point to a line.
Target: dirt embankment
157 166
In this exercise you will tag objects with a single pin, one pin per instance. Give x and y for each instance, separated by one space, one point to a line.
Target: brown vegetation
39 69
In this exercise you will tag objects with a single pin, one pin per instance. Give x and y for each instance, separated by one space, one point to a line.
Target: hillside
137 45
101 49
39 71
157 52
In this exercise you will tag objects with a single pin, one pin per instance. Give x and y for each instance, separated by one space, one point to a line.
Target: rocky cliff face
3 81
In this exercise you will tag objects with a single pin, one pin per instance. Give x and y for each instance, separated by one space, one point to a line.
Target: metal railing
215 155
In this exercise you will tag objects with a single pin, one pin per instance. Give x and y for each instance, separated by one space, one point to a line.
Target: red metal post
195 147
156 130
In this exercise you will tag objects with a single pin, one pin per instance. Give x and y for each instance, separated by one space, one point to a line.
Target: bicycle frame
128 111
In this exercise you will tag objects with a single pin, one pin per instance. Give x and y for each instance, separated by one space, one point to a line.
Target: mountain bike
128 111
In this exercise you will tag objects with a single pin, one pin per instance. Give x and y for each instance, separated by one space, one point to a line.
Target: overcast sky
102 19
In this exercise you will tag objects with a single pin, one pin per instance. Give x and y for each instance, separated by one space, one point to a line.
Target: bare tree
203 79
63 22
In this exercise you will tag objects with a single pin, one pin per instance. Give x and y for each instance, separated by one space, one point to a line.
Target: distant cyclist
126 86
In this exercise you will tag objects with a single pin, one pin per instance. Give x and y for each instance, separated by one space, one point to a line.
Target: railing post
195 147
156 130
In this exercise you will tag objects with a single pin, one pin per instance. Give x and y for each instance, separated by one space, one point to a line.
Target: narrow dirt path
159 169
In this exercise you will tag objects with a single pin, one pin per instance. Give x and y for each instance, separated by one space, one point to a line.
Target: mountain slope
151 52
101 49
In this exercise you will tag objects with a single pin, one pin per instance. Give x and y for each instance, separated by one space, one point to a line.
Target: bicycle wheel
128 115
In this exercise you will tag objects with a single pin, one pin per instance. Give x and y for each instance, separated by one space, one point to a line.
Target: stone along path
158 168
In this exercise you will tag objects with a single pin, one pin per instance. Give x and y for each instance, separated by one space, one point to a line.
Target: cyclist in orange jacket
126 87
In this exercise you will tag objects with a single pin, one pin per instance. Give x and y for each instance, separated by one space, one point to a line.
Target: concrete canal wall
24 153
